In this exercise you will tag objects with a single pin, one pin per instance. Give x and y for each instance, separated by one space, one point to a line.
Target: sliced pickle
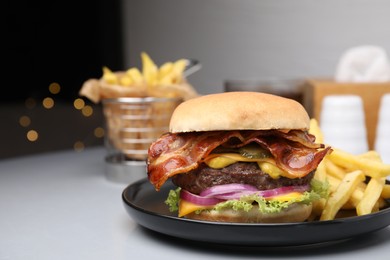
254 151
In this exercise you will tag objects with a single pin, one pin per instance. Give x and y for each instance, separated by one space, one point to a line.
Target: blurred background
51 48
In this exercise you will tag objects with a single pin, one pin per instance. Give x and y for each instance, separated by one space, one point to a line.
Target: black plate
147 208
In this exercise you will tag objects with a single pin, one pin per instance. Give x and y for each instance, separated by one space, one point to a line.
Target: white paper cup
343 123
382 140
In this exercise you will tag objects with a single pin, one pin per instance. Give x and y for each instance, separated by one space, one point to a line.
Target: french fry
351 162
371 155
178 69
316 131
135 76
382 203
349 205
376 207
335 174
126 80
375 186
355 197
149 69
386 192
334 183
371 195
165 75
109 76
334 170
320 175
342 194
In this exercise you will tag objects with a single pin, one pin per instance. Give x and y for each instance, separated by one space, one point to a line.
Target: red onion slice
234 195
199 200
219 193
226 188
263 193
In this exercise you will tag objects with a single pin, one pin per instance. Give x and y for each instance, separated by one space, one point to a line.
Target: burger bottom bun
295 213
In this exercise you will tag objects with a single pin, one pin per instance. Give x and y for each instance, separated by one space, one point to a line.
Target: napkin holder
371 93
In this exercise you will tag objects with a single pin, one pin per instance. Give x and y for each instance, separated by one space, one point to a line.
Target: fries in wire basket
137 104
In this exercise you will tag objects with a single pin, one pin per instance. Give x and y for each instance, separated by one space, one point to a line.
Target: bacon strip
295 152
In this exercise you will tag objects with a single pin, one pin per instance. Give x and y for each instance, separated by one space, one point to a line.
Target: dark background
59 41
66 42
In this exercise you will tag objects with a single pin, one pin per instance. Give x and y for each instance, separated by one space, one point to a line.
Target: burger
243 157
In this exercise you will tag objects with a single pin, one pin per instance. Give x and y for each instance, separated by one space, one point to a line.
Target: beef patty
203 177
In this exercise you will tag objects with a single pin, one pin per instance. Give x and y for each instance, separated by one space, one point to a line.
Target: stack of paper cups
343 123
382 140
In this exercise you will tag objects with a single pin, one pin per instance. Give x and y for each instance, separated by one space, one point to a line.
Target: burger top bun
238 111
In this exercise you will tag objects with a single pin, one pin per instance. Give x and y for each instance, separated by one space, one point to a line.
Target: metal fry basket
132 124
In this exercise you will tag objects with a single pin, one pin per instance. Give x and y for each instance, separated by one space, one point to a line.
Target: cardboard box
371 93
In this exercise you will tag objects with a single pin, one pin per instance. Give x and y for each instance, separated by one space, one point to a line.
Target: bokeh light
54 88
48 103
38 105
99 132
32 135
87 111
24 121
78 103
78 146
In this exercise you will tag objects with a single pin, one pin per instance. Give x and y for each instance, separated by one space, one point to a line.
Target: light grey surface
60 206
252 38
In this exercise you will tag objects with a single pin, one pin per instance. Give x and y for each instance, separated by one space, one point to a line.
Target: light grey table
61 206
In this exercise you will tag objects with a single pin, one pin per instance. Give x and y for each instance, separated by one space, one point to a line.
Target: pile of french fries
151 75
132 124
357 182
151 81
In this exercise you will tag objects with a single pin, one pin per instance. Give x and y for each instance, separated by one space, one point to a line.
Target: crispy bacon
295 151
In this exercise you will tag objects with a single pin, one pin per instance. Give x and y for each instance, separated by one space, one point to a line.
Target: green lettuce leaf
173 200
318 190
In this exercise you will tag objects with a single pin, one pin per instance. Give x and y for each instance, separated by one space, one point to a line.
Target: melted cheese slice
186 207
267 165
287 196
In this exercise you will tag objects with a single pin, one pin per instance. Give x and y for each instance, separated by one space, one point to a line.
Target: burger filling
241 172
237 169
241 185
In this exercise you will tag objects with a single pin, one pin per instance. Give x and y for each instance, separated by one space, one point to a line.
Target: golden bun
295 213
238 111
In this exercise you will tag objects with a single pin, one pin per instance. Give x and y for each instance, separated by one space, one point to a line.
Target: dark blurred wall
58 41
